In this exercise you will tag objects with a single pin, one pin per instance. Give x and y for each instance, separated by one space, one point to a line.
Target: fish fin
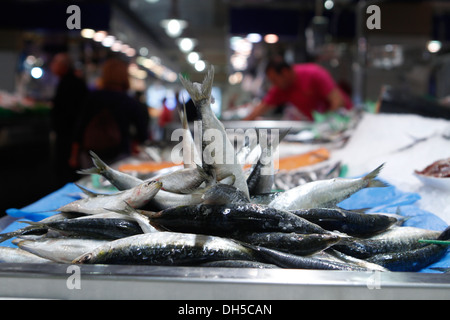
92 170
198 91
99 166
370 177
445 235
86 191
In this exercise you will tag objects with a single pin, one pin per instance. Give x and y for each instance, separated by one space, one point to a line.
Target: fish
294 243
59 250
224 163
230 220
395 239
350 222
332 253
167 249
98 203
17 255
325 193
238 264
102 228
121 180
191 156
165 199
224 194
264 199
261 178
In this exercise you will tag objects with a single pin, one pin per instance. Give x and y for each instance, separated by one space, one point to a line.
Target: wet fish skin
201 96
231 220
350 222
17 255
183 181
324 193
60 250
239 264
294 243
264 199
224 194
166 248
98 203
395 239
164 200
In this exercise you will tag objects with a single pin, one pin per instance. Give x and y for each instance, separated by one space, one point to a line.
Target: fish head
150 187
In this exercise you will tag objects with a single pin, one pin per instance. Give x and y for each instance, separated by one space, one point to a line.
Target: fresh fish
395 239
120 180
136 197
164 200
94 228
191 155
324 193
225 162
350 222
352 260
17 255
261 178
230 220
166 248
60 250
239 264
224 194
265 198
294 243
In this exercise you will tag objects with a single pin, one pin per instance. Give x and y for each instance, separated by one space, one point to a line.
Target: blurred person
166 115
112 123
308 87
70 92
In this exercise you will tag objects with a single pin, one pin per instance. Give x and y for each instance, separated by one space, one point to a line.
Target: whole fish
136 197
166 248
350 222
17 255
225 161
94 228
324 193
60 250
395 239
295 243
230 220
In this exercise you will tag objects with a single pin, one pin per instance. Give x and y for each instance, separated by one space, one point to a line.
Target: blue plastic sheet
387 200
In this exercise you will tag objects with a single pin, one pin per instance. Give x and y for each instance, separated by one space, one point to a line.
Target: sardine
60 250
350 222
324 193
136 197
191 155
294 243
166 248
17 255
395 239
224 194
264 199
230 220
239 264
226 164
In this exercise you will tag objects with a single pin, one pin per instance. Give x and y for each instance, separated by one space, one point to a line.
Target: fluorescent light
99 36
200 65
193 57
37 72
87 33
108 41
254 37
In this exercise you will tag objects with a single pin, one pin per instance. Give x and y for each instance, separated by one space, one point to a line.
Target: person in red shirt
308 87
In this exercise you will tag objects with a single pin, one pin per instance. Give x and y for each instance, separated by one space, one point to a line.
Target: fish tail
197 91
445 235
370 178
100 166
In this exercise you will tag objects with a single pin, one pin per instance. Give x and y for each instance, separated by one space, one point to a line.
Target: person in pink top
309 87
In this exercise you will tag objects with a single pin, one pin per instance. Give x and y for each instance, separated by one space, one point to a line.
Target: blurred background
406 61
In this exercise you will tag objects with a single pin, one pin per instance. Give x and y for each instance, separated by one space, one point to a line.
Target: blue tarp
387 200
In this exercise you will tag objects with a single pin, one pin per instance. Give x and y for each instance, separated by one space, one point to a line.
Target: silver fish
166 248
17 255
98 203
60 250
324 193
227 164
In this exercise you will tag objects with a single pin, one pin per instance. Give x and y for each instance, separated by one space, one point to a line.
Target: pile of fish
216 215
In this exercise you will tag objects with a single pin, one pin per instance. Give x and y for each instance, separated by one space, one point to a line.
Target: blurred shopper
70 93
112 122
308 87
166 115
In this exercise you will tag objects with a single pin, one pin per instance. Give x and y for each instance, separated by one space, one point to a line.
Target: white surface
377 139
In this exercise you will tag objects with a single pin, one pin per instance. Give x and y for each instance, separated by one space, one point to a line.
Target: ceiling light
99 36
193 57
271 38
143 51
108 41
130 52
87 33
200 65
37 72
434 46
116 46
186 44
254 37
329 4
174 27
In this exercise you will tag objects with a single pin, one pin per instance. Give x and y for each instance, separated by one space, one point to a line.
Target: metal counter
56 281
